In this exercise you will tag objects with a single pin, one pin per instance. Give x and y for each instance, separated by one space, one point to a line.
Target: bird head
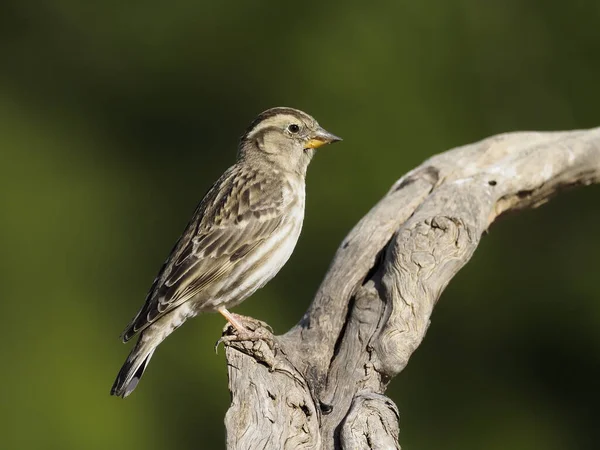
285 136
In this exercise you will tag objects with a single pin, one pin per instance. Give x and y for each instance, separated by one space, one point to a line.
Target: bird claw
245 329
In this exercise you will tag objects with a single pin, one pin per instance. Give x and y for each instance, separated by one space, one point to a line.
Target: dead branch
322 384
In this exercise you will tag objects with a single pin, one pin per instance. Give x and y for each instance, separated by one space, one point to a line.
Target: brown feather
242 209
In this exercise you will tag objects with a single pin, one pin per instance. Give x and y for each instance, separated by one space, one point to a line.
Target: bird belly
258 267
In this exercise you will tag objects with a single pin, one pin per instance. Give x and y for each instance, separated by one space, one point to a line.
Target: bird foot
244 328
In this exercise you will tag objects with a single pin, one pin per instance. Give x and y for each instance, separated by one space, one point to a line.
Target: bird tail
134 367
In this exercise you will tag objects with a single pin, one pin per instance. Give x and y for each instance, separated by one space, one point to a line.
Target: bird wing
242 209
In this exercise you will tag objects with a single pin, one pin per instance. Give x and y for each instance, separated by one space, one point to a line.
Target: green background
115 117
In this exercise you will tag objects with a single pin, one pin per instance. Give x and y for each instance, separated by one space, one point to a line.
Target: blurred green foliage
115 118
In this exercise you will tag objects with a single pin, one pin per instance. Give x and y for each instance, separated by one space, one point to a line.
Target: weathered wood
321 385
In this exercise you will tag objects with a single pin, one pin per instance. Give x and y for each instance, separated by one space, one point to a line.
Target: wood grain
322 384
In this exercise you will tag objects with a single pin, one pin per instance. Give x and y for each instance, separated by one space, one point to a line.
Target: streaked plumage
241 234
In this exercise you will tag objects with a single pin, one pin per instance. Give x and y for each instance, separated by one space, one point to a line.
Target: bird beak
322 137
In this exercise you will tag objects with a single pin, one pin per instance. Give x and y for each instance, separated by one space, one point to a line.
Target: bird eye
293 128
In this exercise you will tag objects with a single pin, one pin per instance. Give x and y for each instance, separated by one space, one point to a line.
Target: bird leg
232 319
255 330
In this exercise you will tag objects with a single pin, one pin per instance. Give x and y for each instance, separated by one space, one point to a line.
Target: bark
321 385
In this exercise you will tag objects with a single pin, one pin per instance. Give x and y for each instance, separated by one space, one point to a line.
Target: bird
241 234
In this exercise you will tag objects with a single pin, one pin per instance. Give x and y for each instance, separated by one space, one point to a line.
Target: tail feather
150 338
133 369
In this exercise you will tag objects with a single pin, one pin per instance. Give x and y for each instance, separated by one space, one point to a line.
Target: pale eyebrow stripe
269 123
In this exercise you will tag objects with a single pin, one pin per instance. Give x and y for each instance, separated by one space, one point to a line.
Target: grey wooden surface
321 385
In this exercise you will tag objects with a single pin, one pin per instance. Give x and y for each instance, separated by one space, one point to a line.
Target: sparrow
242 233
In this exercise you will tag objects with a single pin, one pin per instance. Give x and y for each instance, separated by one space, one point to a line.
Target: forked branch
321 385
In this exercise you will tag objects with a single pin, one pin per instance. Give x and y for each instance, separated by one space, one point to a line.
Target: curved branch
320 385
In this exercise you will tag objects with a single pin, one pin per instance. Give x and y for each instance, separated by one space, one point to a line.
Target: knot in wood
371 423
